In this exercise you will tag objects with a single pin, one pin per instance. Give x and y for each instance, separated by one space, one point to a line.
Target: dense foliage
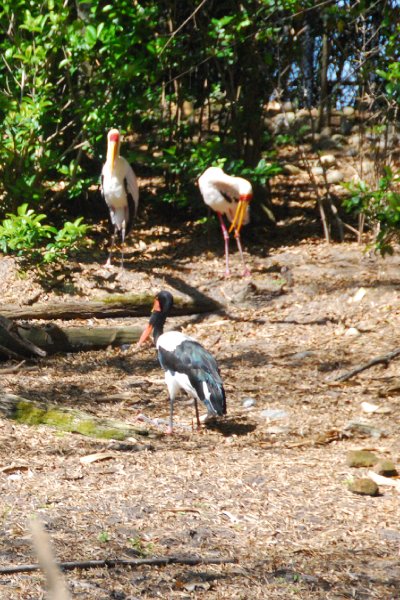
187 81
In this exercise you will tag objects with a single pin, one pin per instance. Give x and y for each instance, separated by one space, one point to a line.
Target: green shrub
26 233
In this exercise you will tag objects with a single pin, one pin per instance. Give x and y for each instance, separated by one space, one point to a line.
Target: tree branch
114 562
375 361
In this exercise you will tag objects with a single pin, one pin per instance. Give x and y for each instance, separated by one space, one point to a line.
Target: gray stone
334 176
361 426
274 414
327 160
290 169
248 402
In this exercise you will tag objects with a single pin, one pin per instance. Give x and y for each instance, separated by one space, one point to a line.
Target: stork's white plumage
229 196
119 188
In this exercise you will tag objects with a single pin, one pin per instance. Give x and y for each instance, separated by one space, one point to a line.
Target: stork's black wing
191 359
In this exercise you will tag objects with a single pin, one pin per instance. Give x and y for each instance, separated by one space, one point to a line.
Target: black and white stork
187 365
120 190
229 196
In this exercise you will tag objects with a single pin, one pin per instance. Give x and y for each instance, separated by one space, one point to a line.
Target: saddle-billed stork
187 365
120 190
229 196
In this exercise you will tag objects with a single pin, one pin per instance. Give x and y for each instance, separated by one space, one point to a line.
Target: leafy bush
381 207
25 232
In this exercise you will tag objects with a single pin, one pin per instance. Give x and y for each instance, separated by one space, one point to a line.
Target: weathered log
29 412
13 344
24 341
127 305
54 339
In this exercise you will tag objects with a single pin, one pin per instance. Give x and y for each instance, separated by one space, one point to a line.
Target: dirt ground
269 486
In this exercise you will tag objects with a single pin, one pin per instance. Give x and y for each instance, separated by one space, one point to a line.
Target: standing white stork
120 190
229 196
187 365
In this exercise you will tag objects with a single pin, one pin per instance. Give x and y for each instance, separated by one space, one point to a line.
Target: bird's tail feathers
214 397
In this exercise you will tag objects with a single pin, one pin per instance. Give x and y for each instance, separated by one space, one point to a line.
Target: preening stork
187 365
120 189
229 196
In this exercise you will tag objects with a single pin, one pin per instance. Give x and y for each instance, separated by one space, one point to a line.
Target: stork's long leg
196 408
123 242
108 263
226 241
170 429
246 270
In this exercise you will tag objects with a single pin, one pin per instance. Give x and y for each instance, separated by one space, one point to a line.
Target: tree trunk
323 106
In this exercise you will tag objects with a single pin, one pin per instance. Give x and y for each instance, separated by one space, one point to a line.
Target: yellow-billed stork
229 196
187 365
119 188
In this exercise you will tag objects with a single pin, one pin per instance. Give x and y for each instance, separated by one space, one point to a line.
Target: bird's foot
246 272
169 430
108 264
227 274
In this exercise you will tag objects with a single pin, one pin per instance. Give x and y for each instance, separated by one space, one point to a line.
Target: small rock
274 414
386 468
361 458
248 402
290 169
348 111
364 487
363 427
368 407
338 139
327 160
358 296
352 331
276 430
287 106
317 170
334 176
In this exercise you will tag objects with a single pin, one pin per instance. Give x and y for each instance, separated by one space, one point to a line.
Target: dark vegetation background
190 85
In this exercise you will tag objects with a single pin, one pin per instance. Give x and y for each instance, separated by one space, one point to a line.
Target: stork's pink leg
246 270
226 241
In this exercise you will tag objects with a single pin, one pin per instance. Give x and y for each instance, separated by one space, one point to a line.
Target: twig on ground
384 359
13 369
114 562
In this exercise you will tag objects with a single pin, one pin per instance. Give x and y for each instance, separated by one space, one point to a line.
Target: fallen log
28 412
123 305
13 344
54 339
24 341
